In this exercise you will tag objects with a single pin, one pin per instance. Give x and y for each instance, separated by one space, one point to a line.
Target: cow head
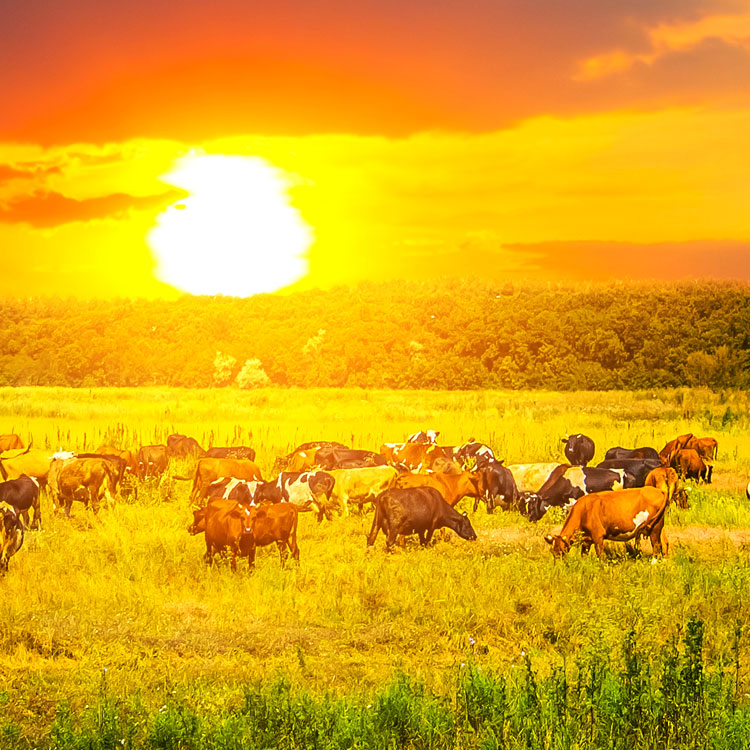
464 528
199 522
559 546
535 506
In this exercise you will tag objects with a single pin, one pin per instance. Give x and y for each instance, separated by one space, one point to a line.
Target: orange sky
532 139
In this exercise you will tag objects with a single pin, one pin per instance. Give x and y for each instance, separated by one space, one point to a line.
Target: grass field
119 610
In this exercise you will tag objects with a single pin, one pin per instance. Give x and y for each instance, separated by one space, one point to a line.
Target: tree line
452 334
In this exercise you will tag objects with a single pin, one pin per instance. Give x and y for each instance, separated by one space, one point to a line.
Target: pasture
111 622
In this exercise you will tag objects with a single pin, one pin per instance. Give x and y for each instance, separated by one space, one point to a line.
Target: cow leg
209 556
390 539
282 552
292 542
655 537
251 557
422 539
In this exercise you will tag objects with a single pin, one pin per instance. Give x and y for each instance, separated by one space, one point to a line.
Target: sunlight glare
235 233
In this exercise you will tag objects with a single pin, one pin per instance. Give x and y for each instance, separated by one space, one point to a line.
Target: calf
23 494
613 516
416 510
11 535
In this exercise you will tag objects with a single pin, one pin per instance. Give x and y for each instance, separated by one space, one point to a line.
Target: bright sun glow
235 233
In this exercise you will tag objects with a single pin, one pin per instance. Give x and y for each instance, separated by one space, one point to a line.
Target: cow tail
375 522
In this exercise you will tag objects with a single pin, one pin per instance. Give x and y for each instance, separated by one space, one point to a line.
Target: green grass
127 590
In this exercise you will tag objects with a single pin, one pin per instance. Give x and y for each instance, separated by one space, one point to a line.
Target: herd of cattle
414 486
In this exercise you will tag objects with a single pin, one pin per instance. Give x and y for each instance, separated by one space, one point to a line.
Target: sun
236 232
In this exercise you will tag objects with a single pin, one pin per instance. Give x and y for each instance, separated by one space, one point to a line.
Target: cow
118 464
23 494
11 442
328 458
311 489
32 463
643 453
130 457
567 483
89 480
638 468
445 465
499 487
423 436
208 470
237 451
151 461
530 477
705 447
675 445
411 456
11 535
689 465
478 454
666 479
452 487
579 449
229 525
612 516
360 485
415 510
182 446
283 463
229 488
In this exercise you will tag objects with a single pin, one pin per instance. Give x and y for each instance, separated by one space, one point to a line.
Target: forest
453 334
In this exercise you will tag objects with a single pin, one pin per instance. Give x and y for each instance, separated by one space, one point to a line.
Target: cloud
45 210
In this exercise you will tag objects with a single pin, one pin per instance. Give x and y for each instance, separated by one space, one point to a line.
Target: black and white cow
566 484
229 488
481 453
423 436
309 489
23 495
643 453
579 449
638 468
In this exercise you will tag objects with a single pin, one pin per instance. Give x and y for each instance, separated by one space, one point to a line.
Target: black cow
340 458
229 488
499 487
579 449
567 483
309 489
617 453
416 510
151 461
237 451
638 468
481 453
23 494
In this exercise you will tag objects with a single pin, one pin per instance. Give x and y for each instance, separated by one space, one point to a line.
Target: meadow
114 633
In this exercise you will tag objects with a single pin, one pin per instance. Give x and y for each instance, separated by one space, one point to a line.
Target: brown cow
11 442
689 465
705 447
232 526
666 480
451 486
32 463
130 458
675 445
414 456
614 516
208 470
89 480
181 446
11 535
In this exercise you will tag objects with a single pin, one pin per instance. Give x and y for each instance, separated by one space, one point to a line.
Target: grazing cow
412 456
344 458
130 458
530 477
23 494
613 516
208 470
643 453
566 484
118 464
11 535
499 487
311 489
231 526
452 487
705 447
689 465
415 510
675 445
424 436
579 449
151 461
32 463
237 451
89 480
11 442
360 485
182 446
480 453
638 468
229 488
665 479
284 463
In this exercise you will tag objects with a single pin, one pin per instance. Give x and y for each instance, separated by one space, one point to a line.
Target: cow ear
548 539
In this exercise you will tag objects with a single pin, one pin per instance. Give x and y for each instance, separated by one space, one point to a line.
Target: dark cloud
44 210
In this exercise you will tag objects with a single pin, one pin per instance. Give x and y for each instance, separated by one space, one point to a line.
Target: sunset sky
240 146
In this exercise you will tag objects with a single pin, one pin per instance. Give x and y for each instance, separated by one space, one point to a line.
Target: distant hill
451 335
